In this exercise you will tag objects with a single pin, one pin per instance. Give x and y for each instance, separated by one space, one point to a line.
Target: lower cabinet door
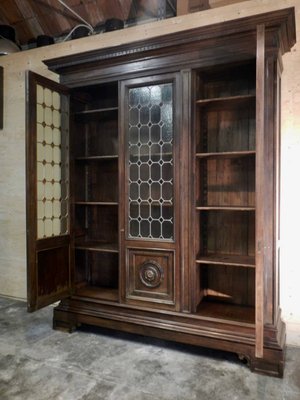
150 277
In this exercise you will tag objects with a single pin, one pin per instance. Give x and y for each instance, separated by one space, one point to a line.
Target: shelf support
259 230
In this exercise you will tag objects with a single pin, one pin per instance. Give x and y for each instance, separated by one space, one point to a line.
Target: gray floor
37 363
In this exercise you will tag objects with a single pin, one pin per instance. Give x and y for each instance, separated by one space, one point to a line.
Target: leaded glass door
151 142
150 162
47 159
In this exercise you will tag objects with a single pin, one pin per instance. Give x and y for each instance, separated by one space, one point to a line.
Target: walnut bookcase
152 184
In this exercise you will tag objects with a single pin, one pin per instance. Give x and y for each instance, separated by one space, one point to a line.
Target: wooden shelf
213 308
226 154
93 245
229 99
96 203
96 111
100 114
225 208
97 158
99 293
227 259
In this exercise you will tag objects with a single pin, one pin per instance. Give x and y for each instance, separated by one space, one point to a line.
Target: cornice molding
283 21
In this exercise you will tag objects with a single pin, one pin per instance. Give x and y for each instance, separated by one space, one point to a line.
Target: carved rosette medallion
151 274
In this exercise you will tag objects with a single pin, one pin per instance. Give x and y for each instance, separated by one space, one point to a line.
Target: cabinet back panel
229 284
228 182
98 137
97 181
98 96
97 223
104 270
227 232
79 140
81 272
227 129
96 269
103 137
227 81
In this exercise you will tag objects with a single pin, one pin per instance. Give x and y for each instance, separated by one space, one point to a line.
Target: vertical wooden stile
259 230
122 122
183 7
184 190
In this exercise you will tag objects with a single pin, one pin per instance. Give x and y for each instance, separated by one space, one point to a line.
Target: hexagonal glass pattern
52 126
150 162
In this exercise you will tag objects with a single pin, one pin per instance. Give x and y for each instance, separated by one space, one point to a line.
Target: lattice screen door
48 236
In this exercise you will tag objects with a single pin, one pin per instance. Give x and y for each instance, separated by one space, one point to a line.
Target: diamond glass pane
52 163
150 163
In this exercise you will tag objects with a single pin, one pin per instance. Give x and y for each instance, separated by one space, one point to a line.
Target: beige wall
12 147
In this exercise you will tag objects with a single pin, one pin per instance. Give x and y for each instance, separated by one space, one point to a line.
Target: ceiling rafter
31 18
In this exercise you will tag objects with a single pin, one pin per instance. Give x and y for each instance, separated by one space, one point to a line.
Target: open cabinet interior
94 141
224 192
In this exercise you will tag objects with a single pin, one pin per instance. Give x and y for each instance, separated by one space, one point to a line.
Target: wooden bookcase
152 184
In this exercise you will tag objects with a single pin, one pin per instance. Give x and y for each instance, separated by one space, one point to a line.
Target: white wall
290 190
12 147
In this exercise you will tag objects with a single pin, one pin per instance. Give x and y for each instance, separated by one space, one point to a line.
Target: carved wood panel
150 276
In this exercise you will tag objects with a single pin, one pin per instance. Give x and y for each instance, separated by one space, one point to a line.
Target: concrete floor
37 363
